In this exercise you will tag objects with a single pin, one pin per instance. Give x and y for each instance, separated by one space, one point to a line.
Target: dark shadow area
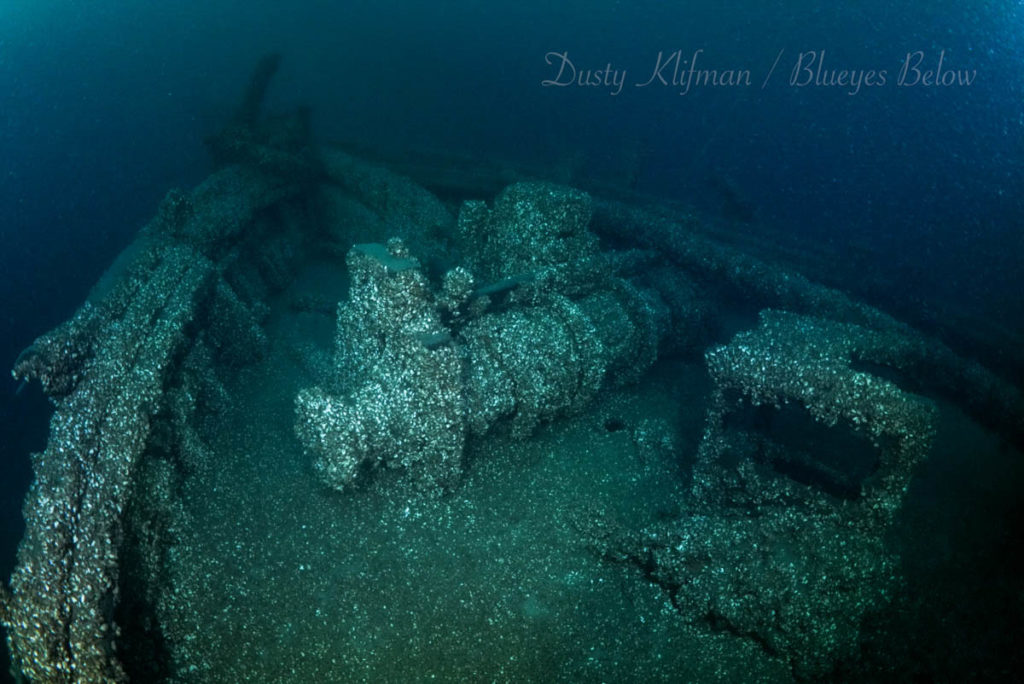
837 460
24 421
958 614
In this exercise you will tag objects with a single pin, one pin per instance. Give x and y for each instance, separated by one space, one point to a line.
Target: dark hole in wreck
787 441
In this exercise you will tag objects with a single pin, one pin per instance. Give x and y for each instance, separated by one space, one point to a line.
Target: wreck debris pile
570 322
454 328
742 277
421 368
106 369
405 406
793 359
536 229
778 545
66 582
180 285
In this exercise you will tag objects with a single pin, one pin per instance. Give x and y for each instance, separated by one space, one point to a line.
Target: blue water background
104 105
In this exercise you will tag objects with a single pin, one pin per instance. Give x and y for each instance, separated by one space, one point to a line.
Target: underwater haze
876 147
